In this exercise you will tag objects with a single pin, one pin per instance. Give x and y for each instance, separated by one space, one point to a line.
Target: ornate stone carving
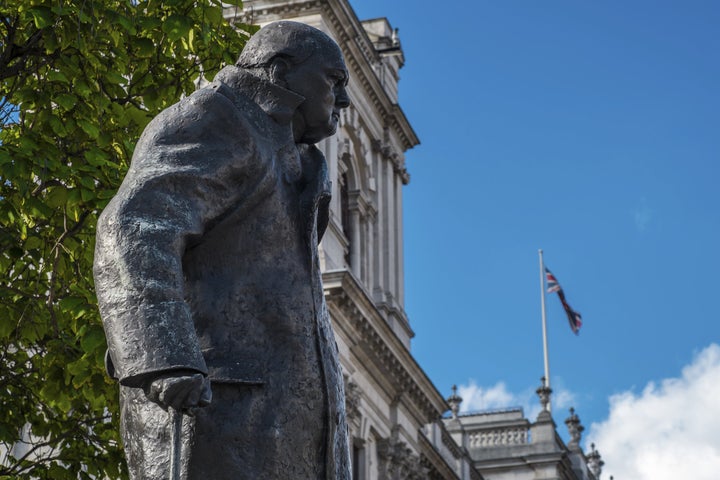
352 400
339 298
397 461
454 401
595 462
498 437
575 429
544 393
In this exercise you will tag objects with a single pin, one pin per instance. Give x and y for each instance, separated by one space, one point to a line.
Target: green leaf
6 327
82 88
93 339
57 126
73 305
213 14
145 47
32 243
56 197
115 36
73 197
50 41
126 23
56 76
88 182
115 77
66 100
177 26
96 157
88 127
87 195
42 16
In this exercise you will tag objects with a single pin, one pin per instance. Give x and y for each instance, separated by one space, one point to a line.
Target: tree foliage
79 80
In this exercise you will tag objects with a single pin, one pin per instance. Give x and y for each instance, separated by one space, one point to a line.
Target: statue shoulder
208 115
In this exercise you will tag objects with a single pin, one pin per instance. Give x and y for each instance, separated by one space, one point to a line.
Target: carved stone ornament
544 392
397 461
574 426
595 462
454 401
352 400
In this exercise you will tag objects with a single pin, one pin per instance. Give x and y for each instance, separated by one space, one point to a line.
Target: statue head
305 61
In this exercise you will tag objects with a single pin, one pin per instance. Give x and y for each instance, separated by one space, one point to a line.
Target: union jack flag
552 283
574 318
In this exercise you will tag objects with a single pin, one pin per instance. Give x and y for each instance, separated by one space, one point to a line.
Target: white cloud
485 398
478 398
670 430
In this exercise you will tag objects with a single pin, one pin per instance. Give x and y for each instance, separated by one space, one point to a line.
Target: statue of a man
207 273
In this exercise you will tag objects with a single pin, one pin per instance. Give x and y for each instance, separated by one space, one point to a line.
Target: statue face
321 79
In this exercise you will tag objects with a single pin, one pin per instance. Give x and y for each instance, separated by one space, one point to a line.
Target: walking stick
176 447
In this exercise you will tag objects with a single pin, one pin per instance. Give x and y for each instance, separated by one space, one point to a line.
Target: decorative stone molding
498 437
389 153
454 401
352 400
252 15
595 462
575 430
347 297
398 462
544 392
449 445
349 120
344 155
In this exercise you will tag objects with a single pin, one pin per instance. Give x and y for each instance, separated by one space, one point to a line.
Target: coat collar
277 102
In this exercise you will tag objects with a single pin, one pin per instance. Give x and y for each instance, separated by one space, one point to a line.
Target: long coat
206 260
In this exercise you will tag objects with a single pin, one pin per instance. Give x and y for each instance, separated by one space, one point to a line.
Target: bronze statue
207 274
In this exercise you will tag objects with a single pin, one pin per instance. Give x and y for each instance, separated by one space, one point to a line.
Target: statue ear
278 70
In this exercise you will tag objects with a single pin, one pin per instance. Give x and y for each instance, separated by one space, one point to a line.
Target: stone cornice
434 461
513 457
353 37
344 293
255 11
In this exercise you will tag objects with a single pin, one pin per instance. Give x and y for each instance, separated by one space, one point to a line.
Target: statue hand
180 391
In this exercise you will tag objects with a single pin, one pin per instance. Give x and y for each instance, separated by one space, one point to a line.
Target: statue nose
342 100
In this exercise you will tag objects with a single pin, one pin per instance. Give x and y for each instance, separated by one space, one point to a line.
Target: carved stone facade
504 445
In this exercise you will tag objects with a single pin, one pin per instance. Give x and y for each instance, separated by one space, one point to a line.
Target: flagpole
544 323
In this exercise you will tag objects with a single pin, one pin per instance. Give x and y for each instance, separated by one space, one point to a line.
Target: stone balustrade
499 437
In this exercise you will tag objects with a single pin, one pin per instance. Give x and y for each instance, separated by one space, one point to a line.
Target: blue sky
591 130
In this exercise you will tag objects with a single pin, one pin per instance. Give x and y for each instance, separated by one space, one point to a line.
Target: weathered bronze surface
207 274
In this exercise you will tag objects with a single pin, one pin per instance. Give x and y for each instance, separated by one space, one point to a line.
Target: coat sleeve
192 164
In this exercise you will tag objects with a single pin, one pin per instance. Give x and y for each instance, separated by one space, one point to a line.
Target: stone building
395 412
504 445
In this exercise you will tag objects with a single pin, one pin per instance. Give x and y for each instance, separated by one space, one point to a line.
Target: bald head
306 61
293 41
